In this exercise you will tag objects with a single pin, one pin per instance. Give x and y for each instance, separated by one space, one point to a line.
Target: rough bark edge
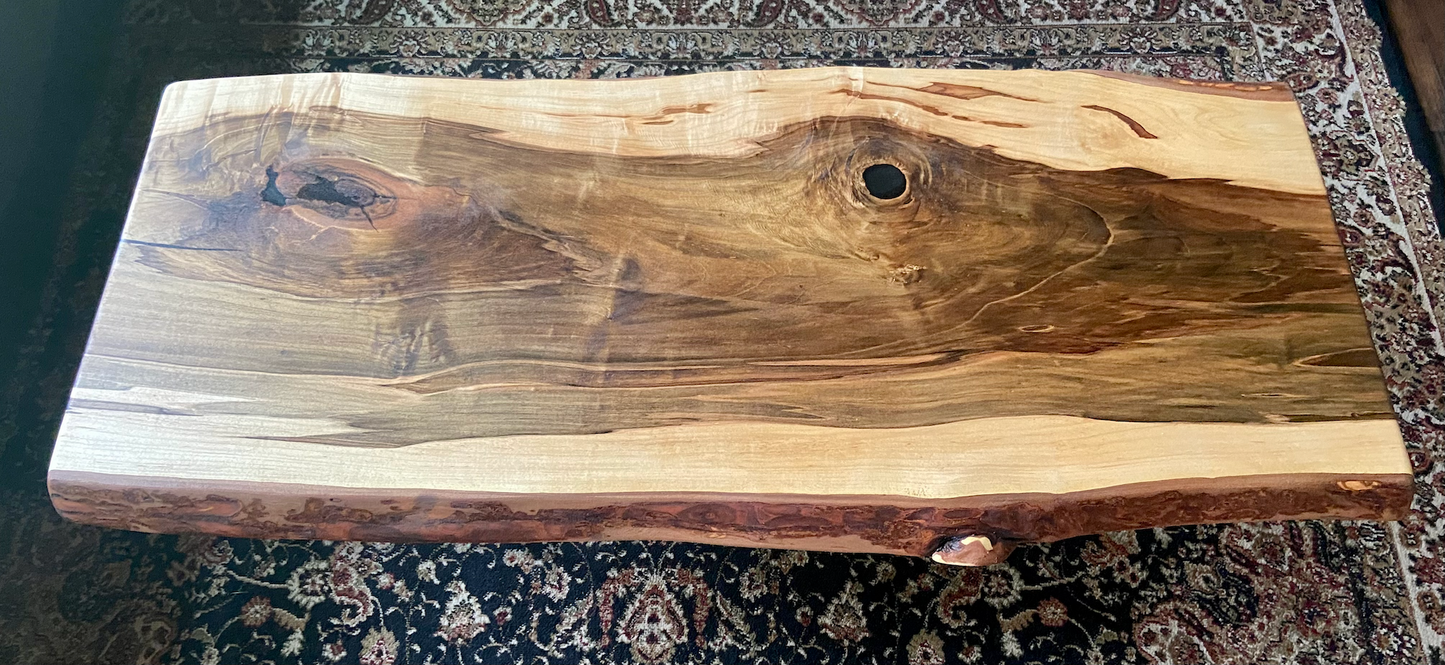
1265 91
879 524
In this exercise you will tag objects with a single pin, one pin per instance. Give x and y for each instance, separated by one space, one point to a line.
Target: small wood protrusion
1358 485
973 550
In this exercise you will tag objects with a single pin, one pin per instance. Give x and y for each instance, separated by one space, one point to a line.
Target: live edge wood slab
366 307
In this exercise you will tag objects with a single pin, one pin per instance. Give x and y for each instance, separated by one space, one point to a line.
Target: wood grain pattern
671 288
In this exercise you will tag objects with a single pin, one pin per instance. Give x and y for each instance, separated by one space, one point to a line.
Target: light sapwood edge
965 458
723 115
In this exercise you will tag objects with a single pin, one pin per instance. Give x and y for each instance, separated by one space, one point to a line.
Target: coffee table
935 313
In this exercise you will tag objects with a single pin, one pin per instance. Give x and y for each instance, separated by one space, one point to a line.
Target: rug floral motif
1303 592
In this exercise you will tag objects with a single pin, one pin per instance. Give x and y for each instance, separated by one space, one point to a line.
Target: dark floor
1419 30
56 53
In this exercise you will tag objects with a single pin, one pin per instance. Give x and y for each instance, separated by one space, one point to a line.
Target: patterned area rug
1298 592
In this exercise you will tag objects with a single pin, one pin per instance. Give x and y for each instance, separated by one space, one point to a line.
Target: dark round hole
884 181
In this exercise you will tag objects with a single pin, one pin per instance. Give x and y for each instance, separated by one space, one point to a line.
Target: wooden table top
841 308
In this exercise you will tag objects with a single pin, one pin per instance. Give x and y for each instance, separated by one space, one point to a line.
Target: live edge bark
865 524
